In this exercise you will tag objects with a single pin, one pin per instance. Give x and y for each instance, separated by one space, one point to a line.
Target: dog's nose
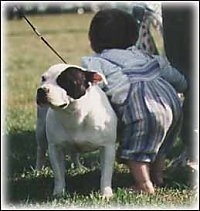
42 95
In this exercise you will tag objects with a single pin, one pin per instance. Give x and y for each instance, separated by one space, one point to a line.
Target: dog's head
64 83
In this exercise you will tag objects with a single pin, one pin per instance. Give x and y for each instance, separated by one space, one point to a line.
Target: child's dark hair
112 28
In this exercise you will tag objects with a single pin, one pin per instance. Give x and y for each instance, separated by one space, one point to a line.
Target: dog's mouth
64 105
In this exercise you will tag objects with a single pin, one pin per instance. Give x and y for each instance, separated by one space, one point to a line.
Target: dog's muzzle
42 96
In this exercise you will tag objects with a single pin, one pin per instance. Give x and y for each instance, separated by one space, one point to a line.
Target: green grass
25 59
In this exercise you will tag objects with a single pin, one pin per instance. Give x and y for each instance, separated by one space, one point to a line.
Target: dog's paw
107 193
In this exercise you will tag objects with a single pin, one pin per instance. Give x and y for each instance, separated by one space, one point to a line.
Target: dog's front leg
57 160
107 165
41 137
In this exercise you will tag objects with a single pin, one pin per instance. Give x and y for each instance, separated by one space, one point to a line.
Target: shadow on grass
20 159
20 152
40 189
21 156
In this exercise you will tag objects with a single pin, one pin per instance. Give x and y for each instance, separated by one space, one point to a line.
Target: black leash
38 34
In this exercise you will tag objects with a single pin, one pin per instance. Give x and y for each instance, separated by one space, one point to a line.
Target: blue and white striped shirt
143 90
123 67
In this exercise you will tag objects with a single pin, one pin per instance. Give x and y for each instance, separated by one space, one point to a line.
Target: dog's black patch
75 81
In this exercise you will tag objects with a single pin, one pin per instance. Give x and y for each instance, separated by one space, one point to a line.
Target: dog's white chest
84 126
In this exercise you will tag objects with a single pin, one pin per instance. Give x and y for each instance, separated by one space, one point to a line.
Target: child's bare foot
146 187
140 173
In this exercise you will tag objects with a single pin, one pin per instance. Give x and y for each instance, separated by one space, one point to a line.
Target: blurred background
79 7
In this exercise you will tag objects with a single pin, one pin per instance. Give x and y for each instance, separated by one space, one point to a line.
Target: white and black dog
74 115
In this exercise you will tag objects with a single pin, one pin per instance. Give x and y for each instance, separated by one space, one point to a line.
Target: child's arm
172 75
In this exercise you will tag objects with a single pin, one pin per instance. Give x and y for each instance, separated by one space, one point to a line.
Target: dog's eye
43 79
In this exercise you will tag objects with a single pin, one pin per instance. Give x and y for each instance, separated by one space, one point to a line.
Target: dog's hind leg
75 157
41 137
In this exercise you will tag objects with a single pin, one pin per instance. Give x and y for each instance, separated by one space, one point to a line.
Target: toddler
143 91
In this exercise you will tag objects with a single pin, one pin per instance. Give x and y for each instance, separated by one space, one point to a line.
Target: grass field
25 58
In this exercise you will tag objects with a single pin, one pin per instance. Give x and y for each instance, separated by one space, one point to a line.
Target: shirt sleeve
172 75
93 65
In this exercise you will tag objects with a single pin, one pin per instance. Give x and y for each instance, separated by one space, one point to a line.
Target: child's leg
141 175
156 171
158 166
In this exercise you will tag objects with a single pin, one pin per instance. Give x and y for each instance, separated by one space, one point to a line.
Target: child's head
112 28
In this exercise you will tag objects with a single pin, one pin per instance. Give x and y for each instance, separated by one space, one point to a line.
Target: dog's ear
95 77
